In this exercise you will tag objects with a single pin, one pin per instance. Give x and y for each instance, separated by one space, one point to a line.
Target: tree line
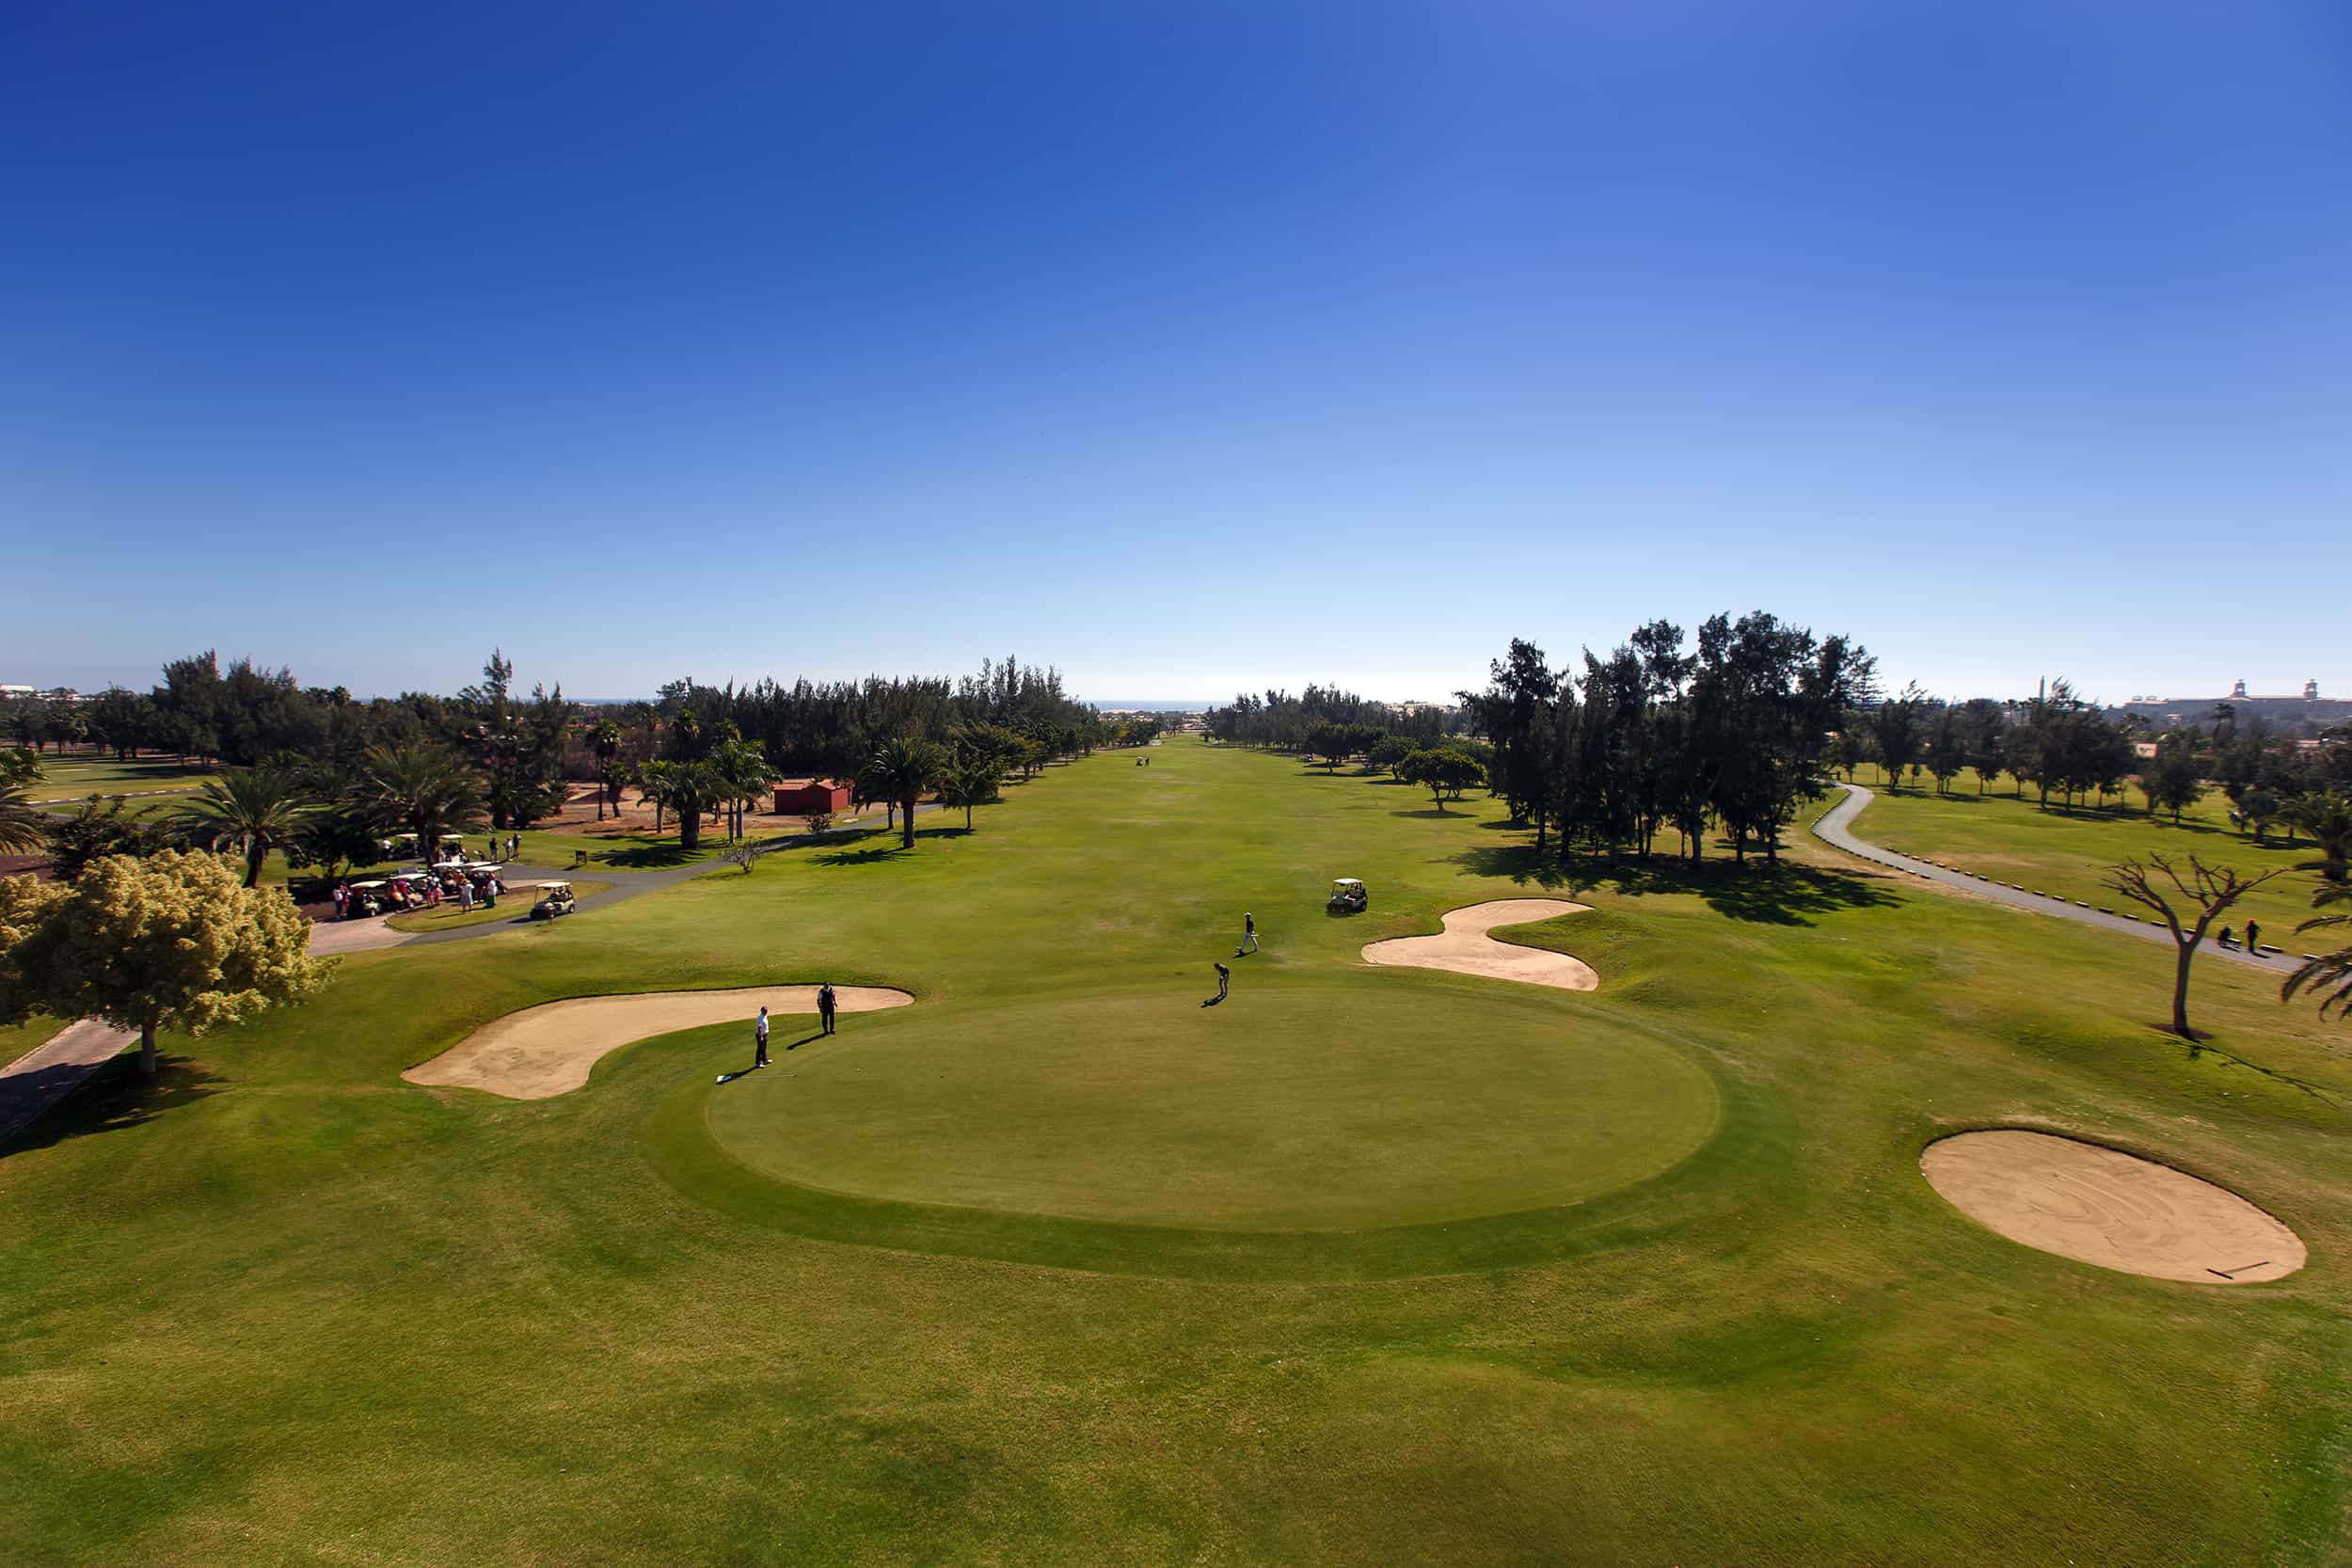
2057 743
322 776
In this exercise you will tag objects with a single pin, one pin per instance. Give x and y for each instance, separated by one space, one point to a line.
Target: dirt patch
1467 949
549 1049
2103 1206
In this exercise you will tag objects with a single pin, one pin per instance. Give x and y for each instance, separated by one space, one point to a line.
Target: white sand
549 1049
1466 948
2101 1206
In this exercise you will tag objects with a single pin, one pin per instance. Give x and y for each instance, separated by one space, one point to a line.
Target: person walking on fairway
1248 934
825 1007
759 1034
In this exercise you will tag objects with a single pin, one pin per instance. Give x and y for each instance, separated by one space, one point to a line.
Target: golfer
759 1034
1224 981
825 1005
1248 934
2253 939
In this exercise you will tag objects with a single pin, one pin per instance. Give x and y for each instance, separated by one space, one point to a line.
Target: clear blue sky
1186 345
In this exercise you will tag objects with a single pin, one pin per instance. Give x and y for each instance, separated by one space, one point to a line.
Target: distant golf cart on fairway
553 898
1347 896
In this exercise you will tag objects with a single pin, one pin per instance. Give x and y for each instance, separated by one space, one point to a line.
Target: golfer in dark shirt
825 1005
1224 981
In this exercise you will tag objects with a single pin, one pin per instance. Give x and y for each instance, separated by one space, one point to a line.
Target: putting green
1309 1105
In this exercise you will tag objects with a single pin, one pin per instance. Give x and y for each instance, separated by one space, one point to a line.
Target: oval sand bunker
1467 949
549 1049
2101 1206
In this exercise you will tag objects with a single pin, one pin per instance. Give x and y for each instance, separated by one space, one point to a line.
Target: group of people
1225 975
2253 937
471 887
827 1004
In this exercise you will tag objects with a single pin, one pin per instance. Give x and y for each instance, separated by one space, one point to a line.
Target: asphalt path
1835 828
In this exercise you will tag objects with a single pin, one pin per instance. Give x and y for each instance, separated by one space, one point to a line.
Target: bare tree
2208 890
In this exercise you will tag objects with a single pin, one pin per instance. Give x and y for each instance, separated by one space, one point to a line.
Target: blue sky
1188 346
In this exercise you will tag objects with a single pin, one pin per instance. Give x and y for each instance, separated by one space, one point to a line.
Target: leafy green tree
900 771
1946 750
1445 772
426 788
1896 729
252 810
331 840
1983 742
969 778
2204 895
170 941
98 829
2173 780
1390 750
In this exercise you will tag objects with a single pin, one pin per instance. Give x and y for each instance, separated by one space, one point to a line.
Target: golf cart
1347 896
553 898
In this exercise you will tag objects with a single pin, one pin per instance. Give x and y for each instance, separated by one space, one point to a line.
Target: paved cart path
1835 828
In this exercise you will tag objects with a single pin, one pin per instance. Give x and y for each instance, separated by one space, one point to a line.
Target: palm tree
423 787
2327 815
23 825
252 809
900 771
605 740
743 766
2327 975
689 789
970 780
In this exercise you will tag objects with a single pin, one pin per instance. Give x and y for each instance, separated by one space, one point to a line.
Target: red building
806 797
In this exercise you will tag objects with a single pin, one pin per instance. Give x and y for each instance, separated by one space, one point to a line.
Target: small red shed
806 797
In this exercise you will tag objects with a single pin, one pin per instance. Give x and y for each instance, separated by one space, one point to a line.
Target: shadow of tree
1788 893
650 857
866 856
115 1098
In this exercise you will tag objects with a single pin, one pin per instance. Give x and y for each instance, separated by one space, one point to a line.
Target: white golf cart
552 899
1347 896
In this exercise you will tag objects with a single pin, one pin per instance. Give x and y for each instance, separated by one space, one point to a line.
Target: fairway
1054 1265
1302 1106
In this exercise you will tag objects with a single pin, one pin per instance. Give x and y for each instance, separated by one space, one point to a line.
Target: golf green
1335 1104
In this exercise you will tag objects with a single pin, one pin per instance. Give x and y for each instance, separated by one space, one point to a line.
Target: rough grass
286 1309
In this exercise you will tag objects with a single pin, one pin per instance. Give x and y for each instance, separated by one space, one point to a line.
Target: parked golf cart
553 898
1347 896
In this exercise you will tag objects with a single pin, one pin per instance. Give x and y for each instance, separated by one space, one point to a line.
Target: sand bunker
2101 1206
1467 949
549 1049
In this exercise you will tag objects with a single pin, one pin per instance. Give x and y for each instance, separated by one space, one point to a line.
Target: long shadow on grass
115 1096
1784 895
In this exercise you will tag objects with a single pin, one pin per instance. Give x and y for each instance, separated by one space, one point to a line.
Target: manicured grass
289 1306
80 774
515 906
2067 853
